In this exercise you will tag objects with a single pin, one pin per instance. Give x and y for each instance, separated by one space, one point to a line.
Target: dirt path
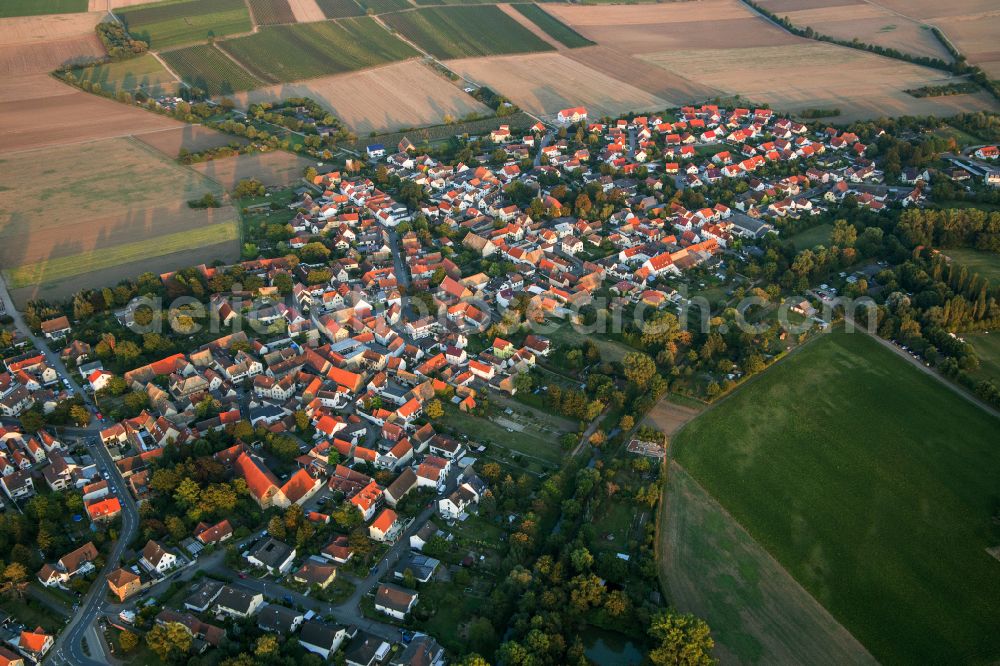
758 613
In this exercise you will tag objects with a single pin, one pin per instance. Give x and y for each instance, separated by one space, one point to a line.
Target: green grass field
552 26
167 24
334 9
531 441
62 268
205 67
143 73
987 347
10 8
458 32
810 238
306 50
874 486
987 264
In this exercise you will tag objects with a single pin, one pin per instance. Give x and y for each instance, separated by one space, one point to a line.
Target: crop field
757 612
384 6
309 50
36 7
205 67
381 99
192 138
271 12
873 485
272 168
809 74
543 83
872 24
128 196
334 9
456 32
38 110
169 23
552 26
143 73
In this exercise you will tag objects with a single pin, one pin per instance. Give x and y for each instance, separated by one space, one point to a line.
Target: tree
128 641
683 640
524 382
301 420
639 368
434 409
187 493
267 646
80 415
32 421
168 640
276 527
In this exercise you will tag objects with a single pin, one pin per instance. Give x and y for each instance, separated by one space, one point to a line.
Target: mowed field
272 168
810 74
758 614
304 51
40 44
543 83
874 486
457 32
175 22
710 24
95 203
382 99
192 138
206 67
144 73
870 23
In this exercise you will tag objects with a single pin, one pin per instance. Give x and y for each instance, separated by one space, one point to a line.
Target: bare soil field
977 37
809 74
779 7
47 28
873 25
383 99
108 5
655 80
758 613
192 138
33 86
543 83
930 9
656 28
32 122
306 11
274 168
38 58
669 417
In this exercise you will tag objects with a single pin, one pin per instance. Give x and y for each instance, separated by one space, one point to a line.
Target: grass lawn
32 613
143 73
530 441
552 26
62 268
206 67
166 24
810 238
458 32
987 264
758 614
567 336
10 8
307 50
874 486
453 608
987 346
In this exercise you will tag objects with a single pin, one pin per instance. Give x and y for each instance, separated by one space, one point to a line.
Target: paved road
68 648
546 140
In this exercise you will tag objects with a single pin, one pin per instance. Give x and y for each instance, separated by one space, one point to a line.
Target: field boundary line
244 67
168 68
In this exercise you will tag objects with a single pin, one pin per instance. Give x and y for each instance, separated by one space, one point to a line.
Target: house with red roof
385 528
103 510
